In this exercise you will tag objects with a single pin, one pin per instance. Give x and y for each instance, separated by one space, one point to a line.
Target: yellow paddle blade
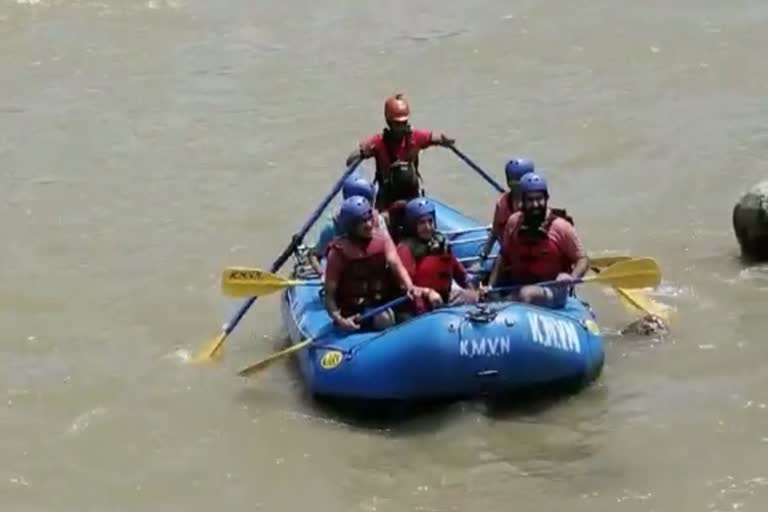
632 300
210 350
633 274
252 282
635 300
267 361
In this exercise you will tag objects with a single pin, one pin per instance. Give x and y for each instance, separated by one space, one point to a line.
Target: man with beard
539 244
508 203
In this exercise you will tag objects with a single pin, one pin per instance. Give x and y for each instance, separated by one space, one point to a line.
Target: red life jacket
366 279
434 264
532 257
387 153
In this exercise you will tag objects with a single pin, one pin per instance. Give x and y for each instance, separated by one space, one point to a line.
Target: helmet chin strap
427 239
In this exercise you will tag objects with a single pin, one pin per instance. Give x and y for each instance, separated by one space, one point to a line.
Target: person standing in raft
539 244
354 185
398 141
364 271
508 203
428 258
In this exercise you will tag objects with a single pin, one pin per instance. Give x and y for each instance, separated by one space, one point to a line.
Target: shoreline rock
750 222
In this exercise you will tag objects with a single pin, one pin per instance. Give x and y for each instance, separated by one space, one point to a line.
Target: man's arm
573 249
398 269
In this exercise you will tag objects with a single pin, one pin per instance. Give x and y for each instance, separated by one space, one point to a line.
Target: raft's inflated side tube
750 222
461 351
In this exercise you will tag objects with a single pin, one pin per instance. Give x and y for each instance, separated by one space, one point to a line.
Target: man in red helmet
398 142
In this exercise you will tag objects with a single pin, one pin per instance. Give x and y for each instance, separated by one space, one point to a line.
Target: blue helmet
417 208
517 168
356 185
352 211
533 182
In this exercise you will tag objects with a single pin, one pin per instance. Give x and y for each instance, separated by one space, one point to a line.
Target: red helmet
396 108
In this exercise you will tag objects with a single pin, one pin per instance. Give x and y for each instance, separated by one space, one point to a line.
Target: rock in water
750 222
646 326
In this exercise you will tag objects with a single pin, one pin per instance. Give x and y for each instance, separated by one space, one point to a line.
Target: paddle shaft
594 262
295 242
476 168
554 282
368 314
318 282
325 330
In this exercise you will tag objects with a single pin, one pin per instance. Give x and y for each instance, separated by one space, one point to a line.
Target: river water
144 145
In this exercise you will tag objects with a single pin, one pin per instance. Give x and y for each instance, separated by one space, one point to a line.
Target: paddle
632 274
594 262
640 301
211 348
267 361
476 168
634 300
247 282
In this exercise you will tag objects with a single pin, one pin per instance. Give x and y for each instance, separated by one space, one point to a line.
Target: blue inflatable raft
455 352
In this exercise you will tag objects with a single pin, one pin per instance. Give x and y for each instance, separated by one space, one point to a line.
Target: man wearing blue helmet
354 185
508 203
364 271
539 244
427 256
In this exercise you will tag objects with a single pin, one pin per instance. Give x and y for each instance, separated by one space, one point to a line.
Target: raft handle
481 313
